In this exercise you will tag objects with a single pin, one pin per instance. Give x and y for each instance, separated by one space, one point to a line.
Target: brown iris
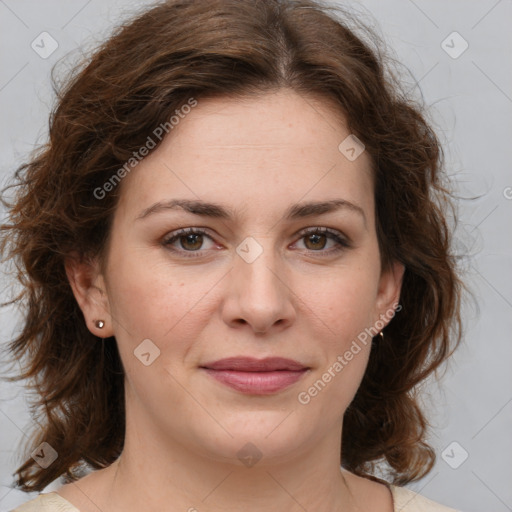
314 238
195 239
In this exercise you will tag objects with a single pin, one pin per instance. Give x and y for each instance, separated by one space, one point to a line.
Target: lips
256 376
249 364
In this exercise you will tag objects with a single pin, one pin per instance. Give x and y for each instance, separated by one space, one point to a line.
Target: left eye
191 240
316 239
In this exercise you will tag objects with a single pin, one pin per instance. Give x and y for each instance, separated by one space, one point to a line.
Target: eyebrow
296 211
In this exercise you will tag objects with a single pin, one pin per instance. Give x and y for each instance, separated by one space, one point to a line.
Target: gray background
470 103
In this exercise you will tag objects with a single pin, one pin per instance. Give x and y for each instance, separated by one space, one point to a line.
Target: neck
150 477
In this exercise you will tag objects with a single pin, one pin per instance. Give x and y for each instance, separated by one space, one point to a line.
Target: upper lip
251 364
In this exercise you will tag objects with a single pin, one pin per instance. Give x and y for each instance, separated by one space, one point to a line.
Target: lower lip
257 383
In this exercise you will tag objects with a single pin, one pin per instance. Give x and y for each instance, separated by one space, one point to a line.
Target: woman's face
251 283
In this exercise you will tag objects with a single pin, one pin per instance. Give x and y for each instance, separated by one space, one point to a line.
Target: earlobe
88 286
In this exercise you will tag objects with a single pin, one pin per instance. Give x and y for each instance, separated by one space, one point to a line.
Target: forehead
271 121
262 150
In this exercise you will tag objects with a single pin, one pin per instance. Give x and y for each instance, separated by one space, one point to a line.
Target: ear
88 285
388 294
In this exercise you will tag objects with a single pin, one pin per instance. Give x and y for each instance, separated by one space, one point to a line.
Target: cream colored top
404 500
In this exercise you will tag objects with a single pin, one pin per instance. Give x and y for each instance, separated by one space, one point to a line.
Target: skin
298 299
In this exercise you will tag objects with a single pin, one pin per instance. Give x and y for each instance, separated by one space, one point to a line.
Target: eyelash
342 242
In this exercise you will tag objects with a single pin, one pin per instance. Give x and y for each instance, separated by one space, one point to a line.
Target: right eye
188 240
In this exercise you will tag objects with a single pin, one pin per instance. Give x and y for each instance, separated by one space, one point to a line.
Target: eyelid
177 233
343 242
323 230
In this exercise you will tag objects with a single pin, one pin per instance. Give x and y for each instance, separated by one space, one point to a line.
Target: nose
258 294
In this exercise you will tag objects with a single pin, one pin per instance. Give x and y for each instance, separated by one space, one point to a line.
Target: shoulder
406 500
49 502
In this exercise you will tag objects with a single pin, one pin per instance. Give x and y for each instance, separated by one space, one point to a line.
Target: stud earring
381 334
100 324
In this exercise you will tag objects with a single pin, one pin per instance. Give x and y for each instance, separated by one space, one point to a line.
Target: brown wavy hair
106 109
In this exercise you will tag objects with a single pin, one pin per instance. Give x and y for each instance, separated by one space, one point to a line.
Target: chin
259 437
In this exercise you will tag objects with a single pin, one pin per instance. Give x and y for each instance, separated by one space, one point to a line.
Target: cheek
344 350
345 302
169 306
345 305
157 301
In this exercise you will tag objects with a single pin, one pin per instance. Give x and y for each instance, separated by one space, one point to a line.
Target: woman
236 267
